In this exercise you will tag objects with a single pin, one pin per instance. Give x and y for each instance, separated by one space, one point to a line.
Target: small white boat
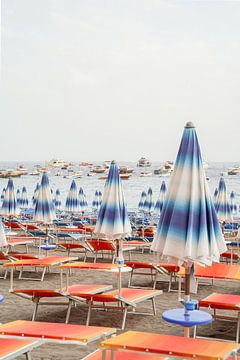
145 173
74 175
143 162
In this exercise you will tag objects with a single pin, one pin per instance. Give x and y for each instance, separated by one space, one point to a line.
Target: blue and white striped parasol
142 201
23 202
57 200
3 194
148 203
162 194
215 196
18 197
233 205
188 229
113 222
100 197
72 202
9 205
95 202
82 200
35 194
44 209
223 208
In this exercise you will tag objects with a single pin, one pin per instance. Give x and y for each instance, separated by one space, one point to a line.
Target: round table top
1 298
48 246
195 317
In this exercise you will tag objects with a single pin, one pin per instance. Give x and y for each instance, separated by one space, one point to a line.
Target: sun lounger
6 257
170 345
45 296
54 332
153 270
224 302
97 355
230 256
11 348
114 300
107 247
45 263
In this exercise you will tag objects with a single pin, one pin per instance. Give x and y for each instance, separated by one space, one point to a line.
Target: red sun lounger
11 348
6 257
45 263
107 247
54 332
170 345
46 296
224 302
153 270
97 355
127 299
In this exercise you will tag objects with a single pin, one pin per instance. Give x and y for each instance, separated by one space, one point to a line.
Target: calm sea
132 187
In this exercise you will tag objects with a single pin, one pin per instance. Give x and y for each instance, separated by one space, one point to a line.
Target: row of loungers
126 346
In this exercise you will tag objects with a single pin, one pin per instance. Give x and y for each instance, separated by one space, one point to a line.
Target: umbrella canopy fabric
23 202
142 201
57 200
44 209
9 205
188 229
113 222
215 196
148 203
72 202
223 208
233 205
3 239
162 194
100 197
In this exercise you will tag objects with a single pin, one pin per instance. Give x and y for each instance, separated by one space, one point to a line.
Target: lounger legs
35 309
238 328
124 318
68 311
28 356
89 312
154 307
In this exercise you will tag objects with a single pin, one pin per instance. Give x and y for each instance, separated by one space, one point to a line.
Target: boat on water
23 169
143 162
98 169
106 164
74 175
7 173
235 170
125 170
85 164
122 177
56 163
145 173
165 169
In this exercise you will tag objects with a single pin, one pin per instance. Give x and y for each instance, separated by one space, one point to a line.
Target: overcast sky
118 79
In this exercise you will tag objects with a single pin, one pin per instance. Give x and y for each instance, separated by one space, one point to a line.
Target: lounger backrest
99 245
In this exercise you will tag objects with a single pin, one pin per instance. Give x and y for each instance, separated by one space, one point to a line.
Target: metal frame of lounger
17 347
36 263
122 302
221 305
170 345
155 271
37 295
46 332
97 355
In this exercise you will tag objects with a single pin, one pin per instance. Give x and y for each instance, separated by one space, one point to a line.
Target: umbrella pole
46 233
187 295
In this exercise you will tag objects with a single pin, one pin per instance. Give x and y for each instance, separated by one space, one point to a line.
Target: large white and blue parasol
142 201
23 201
57 200
3 239
44 209
188 229
9 205
72 201
113 222
223 209
160 201
233 205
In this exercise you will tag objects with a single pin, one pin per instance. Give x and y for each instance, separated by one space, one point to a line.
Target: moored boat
143 162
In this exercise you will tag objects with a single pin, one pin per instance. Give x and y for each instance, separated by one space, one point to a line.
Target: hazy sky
118 79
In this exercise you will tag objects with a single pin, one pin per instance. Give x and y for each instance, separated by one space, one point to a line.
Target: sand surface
14 308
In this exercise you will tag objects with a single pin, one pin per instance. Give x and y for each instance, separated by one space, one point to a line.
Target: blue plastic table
194 318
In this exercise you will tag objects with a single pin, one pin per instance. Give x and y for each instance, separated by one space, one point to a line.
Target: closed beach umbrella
188 230
72 202
223 208
82 200
233 205
57 200
148 203
35 194
44 209
162 194
100 197
9 205
113 222
23 204
142 201
3 193
215 196
18 197
95 202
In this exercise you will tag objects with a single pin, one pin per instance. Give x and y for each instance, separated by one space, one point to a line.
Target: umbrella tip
113 162
189 124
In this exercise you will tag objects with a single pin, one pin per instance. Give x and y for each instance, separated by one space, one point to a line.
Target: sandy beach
14 308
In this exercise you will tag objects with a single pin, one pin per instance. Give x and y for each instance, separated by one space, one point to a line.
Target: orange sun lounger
11 348
45 263
127 299
154 271
54 332
224 302
6 257
170 345
43 296
97 355
107 247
